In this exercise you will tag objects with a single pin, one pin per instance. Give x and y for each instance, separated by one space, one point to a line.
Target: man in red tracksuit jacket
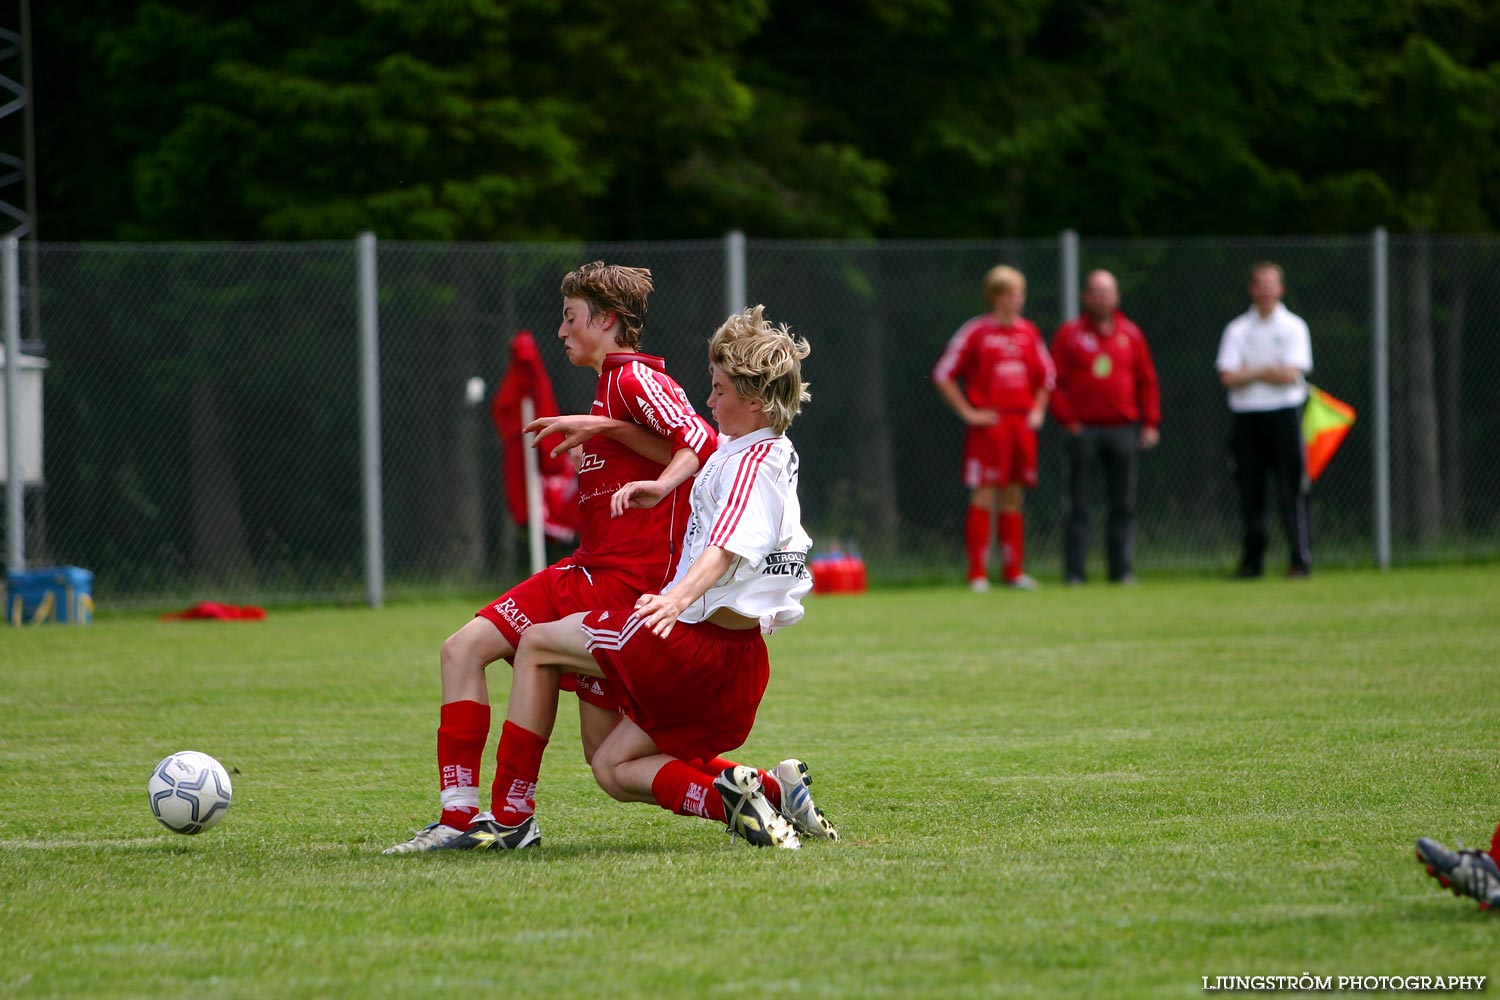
1108 403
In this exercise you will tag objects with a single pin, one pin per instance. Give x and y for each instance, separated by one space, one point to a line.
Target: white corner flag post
535 528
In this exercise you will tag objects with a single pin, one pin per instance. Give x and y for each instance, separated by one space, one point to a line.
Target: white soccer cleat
430 838
749 812
797 805
979 585
1022 582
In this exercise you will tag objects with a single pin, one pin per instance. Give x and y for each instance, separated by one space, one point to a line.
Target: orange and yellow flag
1325 424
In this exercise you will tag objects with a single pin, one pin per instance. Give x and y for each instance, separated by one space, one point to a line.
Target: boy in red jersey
641 424
1007 378
690 692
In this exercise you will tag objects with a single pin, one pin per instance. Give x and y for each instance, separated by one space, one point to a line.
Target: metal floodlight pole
1069 245
369 423
15 512
33 275
735 295
1380 391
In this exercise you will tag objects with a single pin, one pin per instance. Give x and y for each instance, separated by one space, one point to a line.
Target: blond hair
764 362
613 288
1003 279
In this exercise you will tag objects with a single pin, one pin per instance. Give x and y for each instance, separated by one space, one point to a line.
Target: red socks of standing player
1012 543
977 541
463 728
518 761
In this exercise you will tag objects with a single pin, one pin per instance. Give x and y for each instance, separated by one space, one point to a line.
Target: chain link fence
202 404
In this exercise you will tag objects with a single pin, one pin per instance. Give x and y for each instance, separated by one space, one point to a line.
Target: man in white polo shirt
1263 358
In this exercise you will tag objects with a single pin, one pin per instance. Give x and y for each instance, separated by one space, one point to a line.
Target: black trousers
1113 449
1270 441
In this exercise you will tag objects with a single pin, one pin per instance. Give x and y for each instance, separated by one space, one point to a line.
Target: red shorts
695 692
1001 455
558 591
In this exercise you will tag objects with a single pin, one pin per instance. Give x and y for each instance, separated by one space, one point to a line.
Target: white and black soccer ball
189 792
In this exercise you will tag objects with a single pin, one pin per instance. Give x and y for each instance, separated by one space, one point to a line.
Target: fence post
734 272
1380 392
1068 243
15 489
369 422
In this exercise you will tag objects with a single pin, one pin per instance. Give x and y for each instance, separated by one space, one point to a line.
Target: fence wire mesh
202 401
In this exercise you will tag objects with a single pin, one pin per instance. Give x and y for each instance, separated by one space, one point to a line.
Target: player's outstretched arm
660 611
579 428
650 492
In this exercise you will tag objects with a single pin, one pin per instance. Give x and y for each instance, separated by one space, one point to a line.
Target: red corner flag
1325 424
527 377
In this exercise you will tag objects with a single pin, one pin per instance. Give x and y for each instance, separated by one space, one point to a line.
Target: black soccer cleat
749 812
1464 873
488 835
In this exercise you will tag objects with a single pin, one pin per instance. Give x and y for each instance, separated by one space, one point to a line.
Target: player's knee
465 655
451 655
604 774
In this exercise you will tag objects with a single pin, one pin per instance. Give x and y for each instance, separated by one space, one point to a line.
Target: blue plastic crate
53 593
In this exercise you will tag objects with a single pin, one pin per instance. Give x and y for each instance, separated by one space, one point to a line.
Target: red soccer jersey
1104 380
637 388
1002 367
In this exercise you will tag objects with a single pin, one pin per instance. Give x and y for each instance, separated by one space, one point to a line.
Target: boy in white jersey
689 663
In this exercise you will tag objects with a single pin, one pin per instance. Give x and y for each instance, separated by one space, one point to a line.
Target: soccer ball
189 792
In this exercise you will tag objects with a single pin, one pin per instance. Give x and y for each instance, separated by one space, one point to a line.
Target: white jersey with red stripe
744 500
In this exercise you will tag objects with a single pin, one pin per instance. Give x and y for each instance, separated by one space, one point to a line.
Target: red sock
1495 846
463 728
1012 543
977 541
687 791
518 761
718 765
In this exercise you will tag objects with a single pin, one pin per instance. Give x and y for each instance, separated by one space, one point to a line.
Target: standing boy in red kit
1007 378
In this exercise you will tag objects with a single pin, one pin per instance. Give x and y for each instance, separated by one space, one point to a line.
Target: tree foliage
535 119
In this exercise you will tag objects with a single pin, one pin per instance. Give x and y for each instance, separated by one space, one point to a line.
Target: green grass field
1095 792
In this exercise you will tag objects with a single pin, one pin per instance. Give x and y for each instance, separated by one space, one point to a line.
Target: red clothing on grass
1104 380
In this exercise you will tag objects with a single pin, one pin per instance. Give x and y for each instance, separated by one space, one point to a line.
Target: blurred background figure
1263 358
1007 377
1109 403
